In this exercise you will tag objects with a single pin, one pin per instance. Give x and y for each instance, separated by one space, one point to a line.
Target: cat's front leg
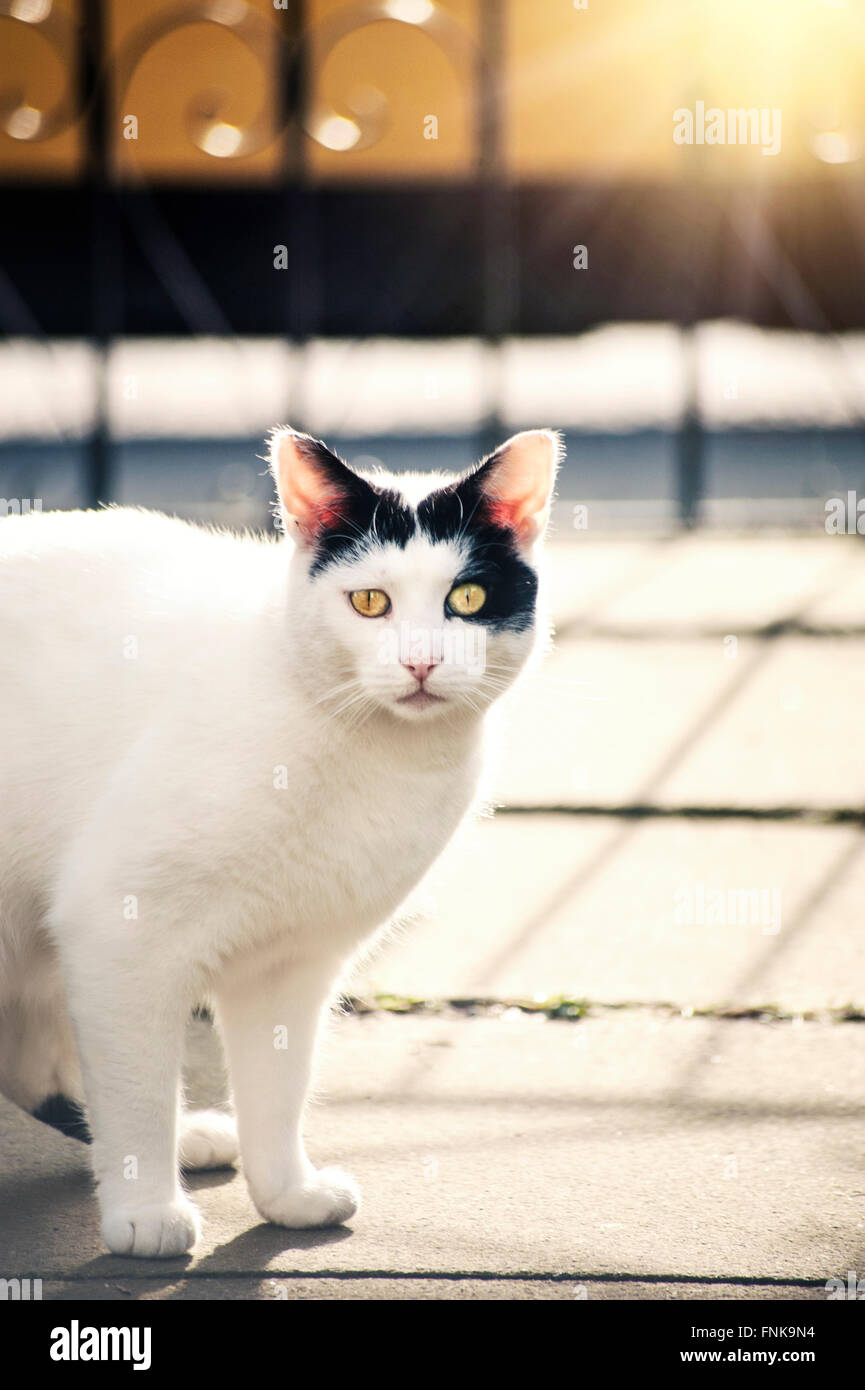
129 1020
270 1021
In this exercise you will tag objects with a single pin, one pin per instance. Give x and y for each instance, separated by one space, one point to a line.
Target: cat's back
85 576
100 534
104 619
65 559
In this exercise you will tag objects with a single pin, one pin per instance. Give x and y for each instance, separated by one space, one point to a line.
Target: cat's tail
66 1115
39 1066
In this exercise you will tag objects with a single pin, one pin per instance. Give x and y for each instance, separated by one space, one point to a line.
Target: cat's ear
317 491
516 482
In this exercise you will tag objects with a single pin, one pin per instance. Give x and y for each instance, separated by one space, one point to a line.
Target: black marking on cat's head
463 511
356 512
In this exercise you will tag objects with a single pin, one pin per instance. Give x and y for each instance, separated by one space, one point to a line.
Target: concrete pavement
628 1154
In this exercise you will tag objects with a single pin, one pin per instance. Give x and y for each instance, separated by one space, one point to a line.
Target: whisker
338 689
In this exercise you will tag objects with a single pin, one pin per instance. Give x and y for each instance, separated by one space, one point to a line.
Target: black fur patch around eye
492 557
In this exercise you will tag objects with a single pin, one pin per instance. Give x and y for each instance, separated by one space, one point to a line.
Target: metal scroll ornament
361 123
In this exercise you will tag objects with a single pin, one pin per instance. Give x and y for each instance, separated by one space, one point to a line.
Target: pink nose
420 669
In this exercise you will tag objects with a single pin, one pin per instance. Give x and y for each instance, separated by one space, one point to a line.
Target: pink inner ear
325 514
505 513
517 511
306 493
316 511
518 483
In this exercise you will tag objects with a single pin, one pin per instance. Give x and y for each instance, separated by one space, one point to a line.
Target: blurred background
412 227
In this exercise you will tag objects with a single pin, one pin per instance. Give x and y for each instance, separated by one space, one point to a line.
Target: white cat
225 763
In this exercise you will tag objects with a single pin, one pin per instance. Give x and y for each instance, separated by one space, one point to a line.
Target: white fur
186 814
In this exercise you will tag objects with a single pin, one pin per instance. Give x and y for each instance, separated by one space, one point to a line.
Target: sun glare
599 94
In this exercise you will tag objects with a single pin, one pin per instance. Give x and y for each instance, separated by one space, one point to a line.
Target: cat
226 762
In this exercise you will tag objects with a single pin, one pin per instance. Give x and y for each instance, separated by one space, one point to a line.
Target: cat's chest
359 837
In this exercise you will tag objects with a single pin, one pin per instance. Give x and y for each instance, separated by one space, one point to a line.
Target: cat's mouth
420 699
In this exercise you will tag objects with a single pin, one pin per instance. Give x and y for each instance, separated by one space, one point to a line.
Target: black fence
103 258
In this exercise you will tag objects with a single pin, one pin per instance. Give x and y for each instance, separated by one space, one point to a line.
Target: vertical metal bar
103 233
303 277
498 256
690 441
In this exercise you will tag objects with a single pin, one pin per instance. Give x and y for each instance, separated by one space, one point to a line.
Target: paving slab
601 721
844 605
791 735
583 575
731 582
742 723
697 913
695 710
628 1146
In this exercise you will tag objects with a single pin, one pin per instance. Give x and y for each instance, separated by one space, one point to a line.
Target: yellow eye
371 603
467 599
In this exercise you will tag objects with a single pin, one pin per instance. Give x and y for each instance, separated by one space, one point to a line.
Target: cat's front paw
208 1139
327 1198
156 1231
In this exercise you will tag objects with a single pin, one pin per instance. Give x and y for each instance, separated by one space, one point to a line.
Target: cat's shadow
250 1251
272 1238
246 1256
